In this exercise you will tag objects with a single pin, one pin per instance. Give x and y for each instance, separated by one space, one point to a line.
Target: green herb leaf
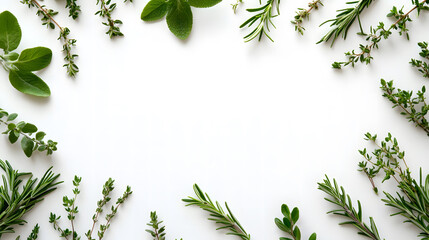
10 32
179 18
34 59
203 3
154 10
29 128
28 83
27 146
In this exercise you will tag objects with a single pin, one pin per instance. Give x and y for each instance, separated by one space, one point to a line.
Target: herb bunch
22 65
106 10
303 14
263 18
23 130
47 17
344 207
178 14
413 107
422 66
72 210
15 203
344 20
288 224
376 34
226 220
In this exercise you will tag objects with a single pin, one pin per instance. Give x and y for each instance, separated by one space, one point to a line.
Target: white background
254 124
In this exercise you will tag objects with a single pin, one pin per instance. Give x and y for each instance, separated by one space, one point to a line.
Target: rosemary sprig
288 224
345 208
226 220
25 130
408 103
71 209
303 14
422 66
342 22
47 17
74 8
106 10
381 32
263 16
14 204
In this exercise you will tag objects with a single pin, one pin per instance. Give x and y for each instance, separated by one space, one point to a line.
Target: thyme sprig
413 107
14 204
106 10
422 66
157 231
303 14
381 32
72 210
74 8
226 220
288 224
345 208
344 20
47 17
33 235
23 130
263 16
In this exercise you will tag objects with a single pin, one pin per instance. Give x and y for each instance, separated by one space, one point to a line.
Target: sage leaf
154 10
179 18
28 83
203 3
34 59
10 32
27 146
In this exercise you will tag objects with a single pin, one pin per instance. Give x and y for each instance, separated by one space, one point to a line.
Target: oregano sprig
288 224
376 34
263 18
23 130
18 197
47 17
303 14
422 66
226 220
106 10
345 208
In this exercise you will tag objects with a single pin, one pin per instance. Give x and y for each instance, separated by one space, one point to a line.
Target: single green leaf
12 117
27 82
295 215
297 233
13 56
27 145
313 236
13 137
34 59
29 128
203 3
10 32
179 18
154 10
40 136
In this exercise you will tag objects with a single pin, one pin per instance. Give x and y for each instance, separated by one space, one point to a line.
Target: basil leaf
27 146
179 18
154 10
203 3
27 82
10 32
33 59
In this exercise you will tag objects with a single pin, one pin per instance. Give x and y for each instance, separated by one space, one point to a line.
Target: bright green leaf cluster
179 14
21 66
288 224
157 231
29 143
74 8
422 66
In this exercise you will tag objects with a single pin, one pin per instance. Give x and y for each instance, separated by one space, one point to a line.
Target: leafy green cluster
47 17
22 129
106 10
15 203
345 208
381 32
71 209
178 14
422 66
303 14
288 224
344 20
21 66
33 235
157 231
74 8
226 220
413 107
263 17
